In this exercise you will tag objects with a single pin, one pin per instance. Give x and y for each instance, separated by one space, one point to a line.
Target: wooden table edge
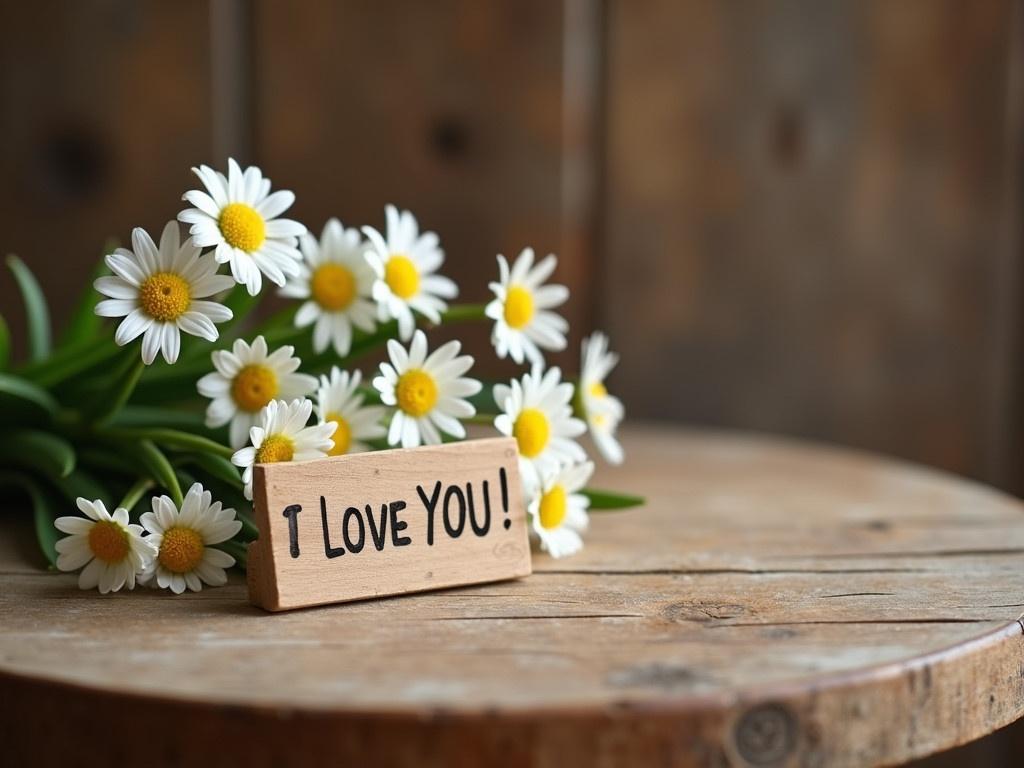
988 668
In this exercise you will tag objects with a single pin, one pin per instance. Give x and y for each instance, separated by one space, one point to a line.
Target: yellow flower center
242 226
532 431
597 389
181 549
333 286
275 448
518 307
342 435
164 296
108 541
553 506
401 276
416 392
253 387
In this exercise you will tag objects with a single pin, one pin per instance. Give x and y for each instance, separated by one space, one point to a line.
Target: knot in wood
766 734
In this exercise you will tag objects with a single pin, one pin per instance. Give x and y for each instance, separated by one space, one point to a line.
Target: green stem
139 489
107 403
160 469
463 313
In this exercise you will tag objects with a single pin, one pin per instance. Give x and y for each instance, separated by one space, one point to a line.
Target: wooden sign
383 523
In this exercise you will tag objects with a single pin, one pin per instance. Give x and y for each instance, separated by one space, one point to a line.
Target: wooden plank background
799 216
808 214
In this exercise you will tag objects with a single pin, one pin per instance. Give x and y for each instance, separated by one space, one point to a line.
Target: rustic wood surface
774 604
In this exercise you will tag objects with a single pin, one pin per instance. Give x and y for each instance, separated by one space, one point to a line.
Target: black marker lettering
480 529
455 531
377 534
357 546
330 551
398 525
431 505
292 513
504 496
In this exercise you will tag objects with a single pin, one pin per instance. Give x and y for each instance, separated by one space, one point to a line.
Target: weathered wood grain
104 107
811 221
458 110
775 603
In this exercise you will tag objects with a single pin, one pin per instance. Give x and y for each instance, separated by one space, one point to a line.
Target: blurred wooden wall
812 220
798 216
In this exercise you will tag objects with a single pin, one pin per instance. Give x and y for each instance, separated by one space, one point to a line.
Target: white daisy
404 265
602 411
183 539
523 321
160 292
113 551
558 513
340 401
281 434
538 414
237 215
427 392
245 380
337 282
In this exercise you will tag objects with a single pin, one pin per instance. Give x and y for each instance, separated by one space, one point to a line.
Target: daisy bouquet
163 422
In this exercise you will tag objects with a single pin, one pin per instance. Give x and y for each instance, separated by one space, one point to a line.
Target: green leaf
109 402
81 483
216 466
70 361
611 499
101 458
84 324
5 343
280 328
154 416
44 512
237 550
172 438
36 310
160 469
23 402
51 456
185 478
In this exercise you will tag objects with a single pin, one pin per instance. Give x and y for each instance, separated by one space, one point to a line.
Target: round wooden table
775 603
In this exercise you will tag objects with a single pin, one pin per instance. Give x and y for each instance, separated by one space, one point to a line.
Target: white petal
170 342
132 326
276 204
116 307
151 343
116 288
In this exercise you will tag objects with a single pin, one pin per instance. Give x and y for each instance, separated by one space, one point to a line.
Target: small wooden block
388 522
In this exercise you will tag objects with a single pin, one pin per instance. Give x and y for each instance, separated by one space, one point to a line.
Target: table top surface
760 571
